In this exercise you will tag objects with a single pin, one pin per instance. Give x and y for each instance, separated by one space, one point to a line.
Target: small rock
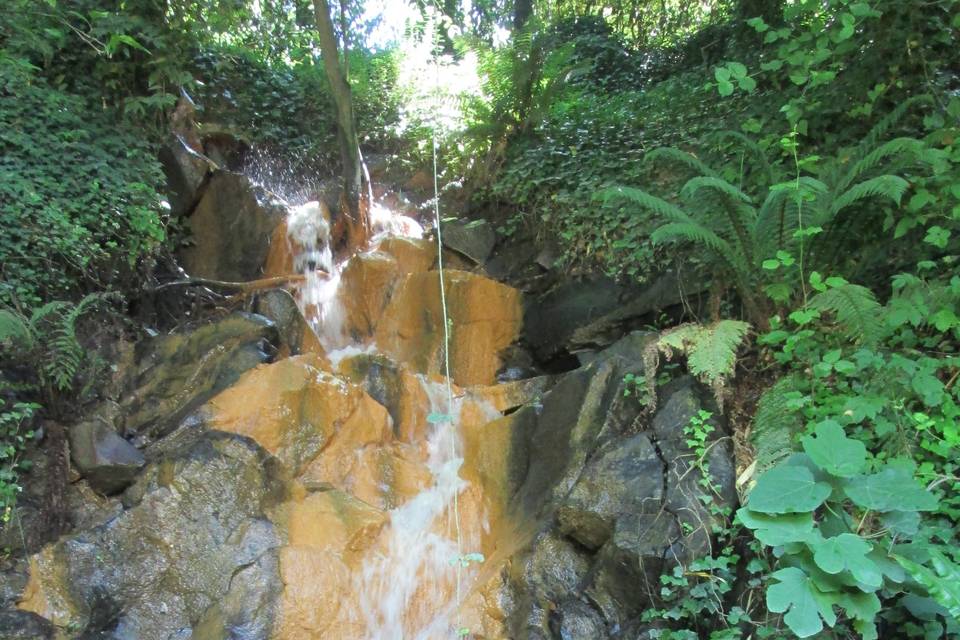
107 461
23 625
474 239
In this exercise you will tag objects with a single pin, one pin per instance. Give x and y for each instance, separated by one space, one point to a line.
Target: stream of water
409 587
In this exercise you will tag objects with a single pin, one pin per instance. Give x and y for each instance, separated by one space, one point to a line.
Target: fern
775 424
873 159
646 200
711 350
885 123
719 185
15 332
49 338
683 158
887 186
755 151
856 310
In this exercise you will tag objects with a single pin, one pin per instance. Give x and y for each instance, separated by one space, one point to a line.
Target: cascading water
409 586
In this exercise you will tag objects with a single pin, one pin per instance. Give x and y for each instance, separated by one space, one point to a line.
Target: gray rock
186 171
107 461
22 625
473 239
195 551
230 230
177 373
580 621
280 308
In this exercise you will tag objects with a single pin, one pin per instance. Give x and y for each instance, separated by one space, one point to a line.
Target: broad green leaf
834 452
848 552
725 87
737 69
893 489
942 582
788 489
777 530
805 606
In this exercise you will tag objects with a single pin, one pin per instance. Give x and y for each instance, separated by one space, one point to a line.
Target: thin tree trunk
522 10
357 227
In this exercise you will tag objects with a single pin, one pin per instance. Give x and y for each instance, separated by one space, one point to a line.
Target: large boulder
230 229
193 555
175 374
612 494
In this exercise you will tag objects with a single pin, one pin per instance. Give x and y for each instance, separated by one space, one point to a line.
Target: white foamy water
410 588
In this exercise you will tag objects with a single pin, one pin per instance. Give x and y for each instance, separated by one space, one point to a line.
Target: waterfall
409 585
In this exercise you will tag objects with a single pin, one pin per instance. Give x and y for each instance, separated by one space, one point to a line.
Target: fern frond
42 313
695 232
775 424
887 186
641 198
672 154
693 185
890 149
879 130
711 350
749 145
15 331
856 310
942 582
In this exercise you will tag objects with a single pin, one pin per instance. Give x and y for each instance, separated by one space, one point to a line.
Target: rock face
599 498
230 229
193 550
177 373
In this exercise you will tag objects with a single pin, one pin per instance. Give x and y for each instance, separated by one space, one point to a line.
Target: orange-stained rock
365 288
280 256
295 410
510 395
412 255
485 318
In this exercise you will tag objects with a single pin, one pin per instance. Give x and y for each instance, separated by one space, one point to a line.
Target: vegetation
800 158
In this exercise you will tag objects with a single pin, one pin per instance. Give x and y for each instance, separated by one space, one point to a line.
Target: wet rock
107 461
185 171
366 285
177 373
484 314
194 541
473 239
580 621
23 625
626 480
551 319
278 306
230 230
412 255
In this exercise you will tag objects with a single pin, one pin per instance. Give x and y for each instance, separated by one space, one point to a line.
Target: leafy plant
48 340
828 516
748 236
13 440
710 352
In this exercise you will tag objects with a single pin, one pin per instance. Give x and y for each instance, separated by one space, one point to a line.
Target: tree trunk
356 223
522 10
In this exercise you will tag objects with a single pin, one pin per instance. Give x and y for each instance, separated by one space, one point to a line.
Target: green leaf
834 452
771 265
721 74
942 583
747 83
788 489
725 87
758 24
893 489
848 552
778 530
806 607
737 70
